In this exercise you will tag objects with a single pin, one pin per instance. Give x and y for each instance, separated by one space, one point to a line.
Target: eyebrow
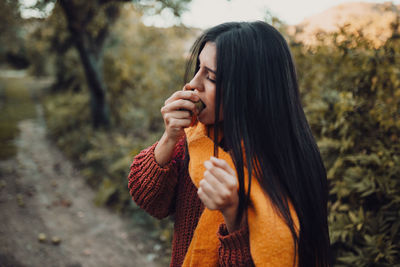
210 70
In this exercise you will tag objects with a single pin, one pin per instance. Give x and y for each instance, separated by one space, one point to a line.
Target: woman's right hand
177 113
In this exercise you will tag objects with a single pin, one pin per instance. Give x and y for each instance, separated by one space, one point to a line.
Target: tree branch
102 36
103 2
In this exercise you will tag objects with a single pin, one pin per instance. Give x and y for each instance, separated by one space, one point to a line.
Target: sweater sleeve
234 249
152 186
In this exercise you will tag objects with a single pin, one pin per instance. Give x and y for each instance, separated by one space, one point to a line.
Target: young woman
245 182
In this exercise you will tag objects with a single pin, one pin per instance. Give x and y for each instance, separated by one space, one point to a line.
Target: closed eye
210 73
210 79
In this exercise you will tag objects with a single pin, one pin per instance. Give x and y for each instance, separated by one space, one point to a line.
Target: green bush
351 96
142 67
351 93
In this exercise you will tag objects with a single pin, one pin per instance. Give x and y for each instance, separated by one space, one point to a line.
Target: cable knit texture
168 190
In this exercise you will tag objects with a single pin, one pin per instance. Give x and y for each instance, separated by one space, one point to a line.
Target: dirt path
42 193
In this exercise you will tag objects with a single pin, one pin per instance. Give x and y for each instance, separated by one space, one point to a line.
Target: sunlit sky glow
27 12
206 13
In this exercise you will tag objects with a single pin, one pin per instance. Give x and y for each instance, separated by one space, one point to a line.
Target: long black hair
256 83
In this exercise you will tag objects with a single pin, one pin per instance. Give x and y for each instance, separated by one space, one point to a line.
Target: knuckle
219 201
187 104
232 185
209 178
225 195
225 165
212 169
191 106
200 192
172 122
167 118
185 124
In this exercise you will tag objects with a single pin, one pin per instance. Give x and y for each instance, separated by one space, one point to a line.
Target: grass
16 104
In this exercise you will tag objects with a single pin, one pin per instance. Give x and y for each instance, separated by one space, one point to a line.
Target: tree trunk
93 66
91 53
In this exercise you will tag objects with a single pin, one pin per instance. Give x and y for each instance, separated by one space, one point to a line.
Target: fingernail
214 158
207 164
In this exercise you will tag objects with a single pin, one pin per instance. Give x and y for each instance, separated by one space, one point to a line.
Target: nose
196 83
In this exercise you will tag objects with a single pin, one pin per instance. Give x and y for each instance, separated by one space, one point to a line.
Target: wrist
164 149
229 215
168 140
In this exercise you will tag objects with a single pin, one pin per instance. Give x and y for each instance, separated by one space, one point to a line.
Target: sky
207 13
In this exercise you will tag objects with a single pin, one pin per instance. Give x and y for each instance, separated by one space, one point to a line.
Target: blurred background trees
87 24
350 85
12 48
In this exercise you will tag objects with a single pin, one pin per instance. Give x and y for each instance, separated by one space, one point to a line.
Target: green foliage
40 46
13 29
351 94
15 105
10 22
144 70
142 67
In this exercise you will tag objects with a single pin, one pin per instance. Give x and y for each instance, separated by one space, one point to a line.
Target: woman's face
204 83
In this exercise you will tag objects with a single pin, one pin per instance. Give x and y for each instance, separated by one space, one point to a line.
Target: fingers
205 198
179 124
177 118
178 114
207 194
180 104
222 171
187 94
214 197
218 188
223 164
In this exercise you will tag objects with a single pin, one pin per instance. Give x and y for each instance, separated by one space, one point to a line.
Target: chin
206 120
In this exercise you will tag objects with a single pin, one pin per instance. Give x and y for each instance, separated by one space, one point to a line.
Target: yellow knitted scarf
270 239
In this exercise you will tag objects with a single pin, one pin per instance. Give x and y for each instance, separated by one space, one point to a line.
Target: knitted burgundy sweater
168 190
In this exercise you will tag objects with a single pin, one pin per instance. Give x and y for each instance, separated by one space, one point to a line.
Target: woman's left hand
218 190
